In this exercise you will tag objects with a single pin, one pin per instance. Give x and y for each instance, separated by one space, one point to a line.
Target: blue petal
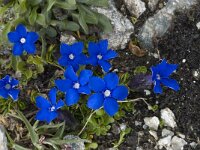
120 93
30 48
4 93
96 84
154 71
17 49
60 104
21 30
77 48
85 76
82 59
13 93
74 66
84 90
157 87
43 103
63 85
93 49
2 83
32 37
14 82
63 61
111 80
166 69
42 115
70 74
64 49
95 101
51 116
6 79
171 83
105 65
72 97
110 106
52 96
92 60
110 55
13 37
103 44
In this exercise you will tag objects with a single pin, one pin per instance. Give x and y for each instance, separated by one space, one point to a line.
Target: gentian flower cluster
103 92
160 75
23 40
7 88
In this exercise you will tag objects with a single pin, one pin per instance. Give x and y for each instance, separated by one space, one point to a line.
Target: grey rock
152 122
152 4
135 7
78 144
177 143
157 25
66 38
122 27
168 117
3 139
164 142
166 132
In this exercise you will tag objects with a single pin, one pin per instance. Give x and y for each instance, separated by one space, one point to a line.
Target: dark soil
181 42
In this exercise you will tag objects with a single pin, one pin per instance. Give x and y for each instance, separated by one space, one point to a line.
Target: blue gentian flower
7 87
48 109
107 92
100 54
23 40
72 55
73 85
160 75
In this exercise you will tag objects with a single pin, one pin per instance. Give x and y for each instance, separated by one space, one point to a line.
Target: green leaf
104 23
41 20
50 4
100 3
66 25
89 15
51 32
67 4
33 16
33 135
34 2
93 146
83 24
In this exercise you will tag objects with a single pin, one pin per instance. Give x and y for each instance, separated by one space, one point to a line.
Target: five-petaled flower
160 75
73 85
7 87
107 92
23 40
100 54
48 109
72 55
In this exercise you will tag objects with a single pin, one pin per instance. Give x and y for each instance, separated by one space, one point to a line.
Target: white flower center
22 40
53 108
8 86
71 56
76 86
158 77
107 93
99 57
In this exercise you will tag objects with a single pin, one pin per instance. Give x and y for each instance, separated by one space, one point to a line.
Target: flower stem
92 113
133 100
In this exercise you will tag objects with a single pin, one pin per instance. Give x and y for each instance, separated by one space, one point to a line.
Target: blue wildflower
160 75
107 92
48 109
7 88
23 40
100 54
72 55
73 85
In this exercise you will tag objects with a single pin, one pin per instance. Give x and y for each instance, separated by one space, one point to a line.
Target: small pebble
184 60
147 92
198 25
122 126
